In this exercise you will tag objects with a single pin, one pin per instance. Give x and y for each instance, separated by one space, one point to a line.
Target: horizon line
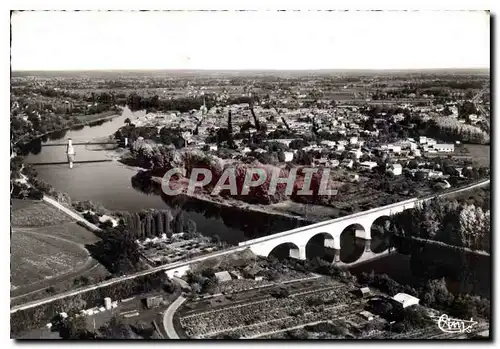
247 69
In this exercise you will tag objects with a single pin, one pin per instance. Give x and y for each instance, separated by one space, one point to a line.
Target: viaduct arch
334 233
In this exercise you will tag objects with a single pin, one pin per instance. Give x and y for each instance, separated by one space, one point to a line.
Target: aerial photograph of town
181 175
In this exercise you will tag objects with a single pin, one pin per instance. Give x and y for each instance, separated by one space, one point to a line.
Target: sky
250 40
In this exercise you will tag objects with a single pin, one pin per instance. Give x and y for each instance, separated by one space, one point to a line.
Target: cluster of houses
356 150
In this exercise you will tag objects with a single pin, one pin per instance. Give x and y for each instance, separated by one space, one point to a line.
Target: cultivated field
261 312
36 256
47 250
479 153
28 213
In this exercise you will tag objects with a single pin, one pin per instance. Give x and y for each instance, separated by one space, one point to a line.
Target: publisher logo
451 325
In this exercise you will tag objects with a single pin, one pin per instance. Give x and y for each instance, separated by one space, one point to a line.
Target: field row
25 213
256 316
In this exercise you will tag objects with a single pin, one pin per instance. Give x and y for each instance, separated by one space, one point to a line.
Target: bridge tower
70 151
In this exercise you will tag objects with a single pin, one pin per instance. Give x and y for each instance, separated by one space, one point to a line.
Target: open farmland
36 257
47 251
28 213
479 153
261 312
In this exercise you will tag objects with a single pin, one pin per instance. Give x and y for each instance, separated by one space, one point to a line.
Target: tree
127 121
179 223
191 227
472 226
75 328
115 329
215 239
281 156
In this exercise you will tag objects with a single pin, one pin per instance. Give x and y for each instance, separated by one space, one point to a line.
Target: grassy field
47 250
28 213
36 257
479 153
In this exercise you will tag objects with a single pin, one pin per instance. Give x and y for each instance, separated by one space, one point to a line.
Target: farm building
406 300
364 291
223 276
447 148
236 274
396 169
152 302
366 315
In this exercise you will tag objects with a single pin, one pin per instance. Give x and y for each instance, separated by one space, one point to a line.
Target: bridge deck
77 143
66 162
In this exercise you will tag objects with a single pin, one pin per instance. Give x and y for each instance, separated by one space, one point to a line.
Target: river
109 183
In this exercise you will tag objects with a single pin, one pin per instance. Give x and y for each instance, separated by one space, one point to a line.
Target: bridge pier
336 256
70 151
298 253
332 243
367 244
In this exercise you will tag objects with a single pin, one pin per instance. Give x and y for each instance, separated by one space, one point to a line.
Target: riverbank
229 203
86 120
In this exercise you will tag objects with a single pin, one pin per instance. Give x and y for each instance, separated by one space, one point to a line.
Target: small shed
236 274
406 300
367 315
152 302
364 292
223 276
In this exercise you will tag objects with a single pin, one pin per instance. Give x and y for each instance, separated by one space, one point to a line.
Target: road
71 213
166 267
168 318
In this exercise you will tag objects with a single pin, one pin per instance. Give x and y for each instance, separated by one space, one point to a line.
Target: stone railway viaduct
331 231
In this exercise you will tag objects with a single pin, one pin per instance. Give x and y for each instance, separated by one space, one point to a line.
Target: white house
354 177
357 153
406 300
329 144
347 163
366 315
223 276
396 149
423 140
446 148
353 140
369 165
334 163
396 169
431 141
472 117
288 156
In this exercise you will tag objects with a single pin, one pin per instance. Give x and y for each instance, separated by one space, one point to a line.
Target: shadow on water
57 135
315 247
463 273
351 247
